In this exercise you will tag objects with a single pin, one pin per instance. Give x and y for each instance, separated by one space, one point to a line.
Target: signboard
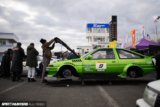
97 25
97 28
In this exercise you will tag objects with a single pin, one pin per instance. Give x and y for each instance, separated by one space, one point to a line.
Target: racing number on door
101 66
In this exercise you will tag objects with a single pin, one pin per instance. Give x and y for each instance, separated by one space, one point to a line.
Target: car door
102 61
127 57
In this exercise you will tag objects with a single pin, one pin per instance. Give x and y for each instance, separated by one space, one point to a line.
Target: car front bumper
142 103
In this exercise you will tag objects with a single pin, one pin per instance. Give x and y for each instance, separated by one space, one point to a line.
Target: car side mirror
89 57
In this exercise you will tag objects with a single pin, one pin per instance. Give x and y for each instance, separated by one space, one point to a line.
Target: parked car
39 66
104 62
151 96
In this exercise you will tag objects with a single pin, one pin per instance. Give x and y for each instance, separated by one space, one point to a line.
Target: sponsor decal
101 66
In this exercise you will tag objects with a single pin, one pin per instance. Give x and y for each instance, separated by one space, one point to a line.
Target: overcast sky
32 20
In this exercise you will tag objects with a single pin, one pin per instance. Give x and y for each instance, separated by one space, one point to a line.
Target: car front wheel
66 73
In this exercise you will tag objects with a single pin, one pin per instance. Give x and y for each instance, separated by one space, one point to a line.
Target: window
2 42
110 54
123 54
89 30
103 54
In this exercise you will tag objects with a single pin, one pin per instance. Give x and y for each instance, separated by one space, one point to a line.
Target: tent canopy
145 43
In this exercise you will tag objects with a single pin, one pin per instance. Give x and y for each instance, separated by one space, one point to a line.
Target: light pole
155 21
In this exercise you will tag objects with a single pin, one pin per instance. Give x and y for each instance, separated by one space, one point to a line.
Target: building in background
98 34
101 35
7 40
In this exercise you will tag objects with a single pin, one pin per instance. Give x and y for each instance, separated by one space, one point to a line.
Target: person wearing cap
46 54
31 62
17 62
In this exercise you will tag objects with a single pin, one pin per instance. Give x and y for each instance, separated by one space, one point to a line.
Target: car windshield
83 56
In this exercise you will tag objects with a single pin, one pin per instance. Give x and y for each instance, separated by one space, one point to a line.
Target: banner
133 34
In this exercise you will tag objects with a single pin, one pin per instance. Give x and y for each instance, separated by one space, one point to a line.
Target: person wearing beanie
31 62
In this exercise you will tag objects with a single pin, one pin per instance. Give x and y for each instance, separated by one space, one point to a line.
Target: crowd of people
12 61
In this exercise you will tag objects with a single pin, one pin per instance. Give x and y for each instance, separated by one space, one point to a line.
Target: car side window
123 54
99 54
110 54
103 54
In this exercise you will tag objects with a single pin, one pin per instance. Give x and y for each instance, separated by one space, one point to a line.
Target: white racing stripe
11 88
108 98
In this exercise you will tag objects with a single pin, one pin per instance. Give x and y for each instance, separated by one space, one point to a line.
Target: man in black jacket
17 62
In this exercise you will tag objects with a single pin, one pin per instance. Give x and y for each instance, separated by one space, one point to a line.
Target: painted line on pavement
108 98
11 88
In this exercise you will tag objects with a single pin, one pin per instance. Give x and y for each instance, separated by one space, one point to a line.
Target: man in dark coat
17 62
157 57
6 62
32 54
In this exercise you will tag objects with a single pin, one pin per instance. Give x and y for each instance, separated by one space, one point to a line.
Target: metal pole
156 29
156 20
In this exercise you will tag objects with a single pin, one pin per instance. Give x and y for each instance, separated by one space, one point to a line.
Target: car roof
122 49
155 85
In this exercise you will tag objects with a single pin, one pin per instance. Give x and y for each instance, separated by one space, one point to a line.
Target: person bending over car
46 54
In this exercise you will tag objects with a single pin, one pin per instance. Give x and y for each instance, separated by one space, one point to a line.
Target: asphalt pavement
115 93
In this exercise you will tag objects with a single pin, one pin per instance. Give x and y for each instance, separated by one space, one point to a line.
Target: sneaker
29 79
33 80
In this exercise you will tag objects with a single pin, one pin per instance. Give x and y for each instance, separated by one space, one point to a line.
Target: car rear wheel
134 73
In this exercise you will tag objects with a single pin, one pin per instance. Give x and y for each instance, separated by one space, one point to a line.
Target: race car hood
66 62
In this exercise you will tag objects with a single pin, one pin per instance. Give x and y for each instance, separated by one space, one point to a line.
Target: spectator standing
17 62
6 63
31 61
157 57
46 54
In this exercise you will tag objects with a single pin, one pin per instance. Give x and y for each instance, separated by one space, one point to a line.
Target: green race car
103 62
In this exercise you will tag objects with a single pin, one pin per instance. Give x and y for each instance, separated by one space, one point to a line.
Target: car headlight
150 96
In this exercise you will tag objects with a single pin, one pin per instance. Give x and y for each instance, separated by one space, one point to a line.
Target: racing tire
134 73
66 73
